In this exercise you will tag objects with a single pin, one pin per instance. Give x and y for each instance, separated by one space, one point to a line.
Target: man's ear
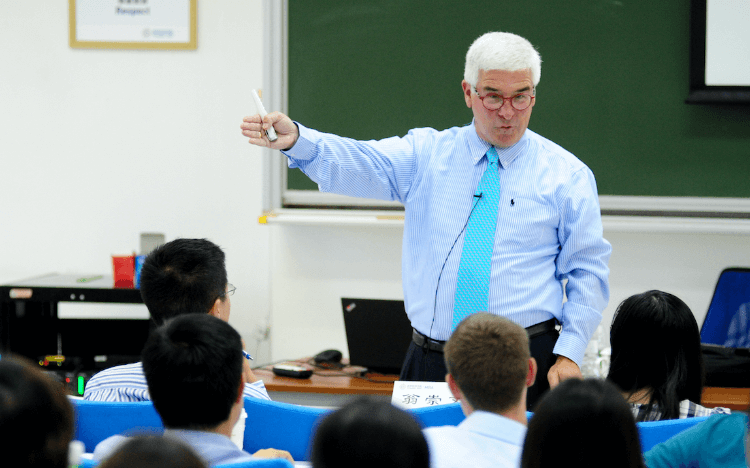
531 376
467 93
241 392
216 309
453 387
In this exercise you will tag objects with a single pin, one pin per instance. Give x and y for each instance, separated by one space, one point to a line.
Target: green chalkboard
612 91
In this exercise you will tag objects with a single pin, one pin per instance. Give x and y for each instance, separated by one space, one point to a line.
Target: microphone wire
437 286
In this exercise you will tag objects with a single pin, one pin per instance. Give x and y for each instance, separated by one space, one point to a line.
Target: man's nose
506 110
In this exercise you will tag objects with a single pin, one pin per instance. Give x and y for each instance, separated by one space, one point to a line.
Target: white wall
98 146
315 266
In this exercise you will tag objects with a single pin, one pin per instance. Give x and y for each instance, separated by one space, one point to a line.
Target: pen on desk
247 355
262 111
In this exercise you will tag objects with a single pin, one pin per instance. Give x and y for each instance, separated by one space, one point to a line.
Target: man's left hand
563 369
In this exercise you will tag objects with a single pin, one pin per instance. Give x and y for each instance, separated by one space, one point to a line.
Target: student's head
499 86
185 276
153 452
193 367
369 434
582 423
489 360
36 418
656 346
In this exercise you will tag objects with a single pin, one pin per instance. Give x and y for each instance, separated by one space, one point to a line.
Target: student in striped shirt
175 277
193 366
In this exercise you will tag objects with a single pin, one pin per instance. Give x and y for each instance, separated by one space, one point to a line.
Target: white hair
502 51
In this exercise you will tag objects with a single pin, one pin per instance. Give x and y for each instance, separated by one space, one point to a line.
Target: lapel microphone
478 196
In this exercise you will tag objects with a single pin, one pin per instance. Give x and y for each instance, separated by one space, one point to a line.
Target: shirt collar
495 426
478 148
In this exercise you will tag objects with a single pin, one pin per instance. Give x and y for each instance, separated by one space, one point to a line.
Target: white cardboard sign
410 395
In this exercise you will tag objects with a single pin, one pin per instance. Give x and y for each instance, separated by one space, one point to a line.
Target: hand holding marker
262 111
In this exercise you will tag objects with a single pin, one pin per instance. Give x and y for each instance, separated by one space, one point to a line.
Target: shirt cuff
571 347
304 147
256 390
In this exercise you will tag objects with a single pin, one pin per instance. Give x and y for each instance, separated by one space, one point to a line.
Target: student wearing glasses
177 278
496 216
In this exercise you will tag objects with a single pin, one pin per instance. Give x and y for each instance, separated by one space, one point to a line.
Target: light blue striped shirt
128 383
549 222
482 440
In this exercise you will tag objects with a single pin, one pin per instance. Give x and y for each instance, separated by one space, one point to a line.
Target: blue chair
272 424
655 432
440 415
97 420
272 463
732 290
87 463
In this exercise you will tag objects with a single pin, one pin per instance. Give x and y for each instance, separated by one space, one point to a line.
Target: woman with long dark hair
656 357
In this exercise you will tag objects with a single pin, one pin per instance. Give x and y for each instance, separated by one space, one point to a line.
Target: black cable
437 287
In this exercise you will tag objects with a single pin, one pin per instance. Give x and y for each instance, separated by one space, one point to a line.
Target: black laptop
378 333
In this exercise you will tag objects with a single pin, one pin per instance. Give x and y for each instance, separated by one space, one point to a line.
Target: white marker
262 111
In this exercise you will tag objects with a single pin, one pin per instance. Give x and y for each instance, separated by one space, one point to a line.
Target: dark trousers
424 365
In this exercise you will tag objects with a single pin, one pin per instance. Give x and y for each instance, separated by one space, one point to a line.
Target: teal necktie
473 283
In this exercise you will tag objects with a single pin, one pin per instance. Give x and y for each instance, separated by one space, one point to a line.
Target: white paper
410 395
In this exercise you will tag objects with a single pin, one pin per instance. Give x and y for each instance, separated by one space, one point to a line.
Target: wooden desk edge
332 384
273 387
732 398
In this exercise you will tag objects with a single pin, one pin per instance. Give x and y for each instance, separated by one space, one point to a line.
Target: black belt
435 345
541 328
424 342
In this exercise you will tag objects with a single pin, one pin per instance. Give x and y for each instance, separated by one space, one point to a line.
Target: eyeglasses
230 290
494 101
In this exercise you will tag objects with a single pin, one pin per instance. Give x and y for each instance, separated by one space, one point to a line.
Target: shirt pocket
525 222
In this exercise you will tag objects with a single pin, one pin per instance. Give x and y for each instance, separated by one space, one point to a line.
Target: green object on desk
87 279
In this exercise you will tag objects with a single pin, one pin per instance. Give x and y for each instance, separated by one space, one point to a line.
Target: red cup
123 267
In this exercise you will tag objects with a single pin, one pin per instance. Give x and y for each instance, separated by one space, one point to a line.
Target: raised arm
286 130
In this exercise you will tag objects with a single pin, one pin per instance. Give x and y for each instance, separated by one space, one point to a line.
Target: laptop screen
378 333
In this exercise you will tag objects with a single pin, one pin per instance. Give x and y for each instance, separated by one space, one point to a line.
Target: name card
410 395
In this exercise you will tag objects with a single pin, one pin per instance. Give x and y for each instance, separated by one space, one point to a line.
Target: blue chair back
87 463
97 420
272 463
266 463
440 415
655 432
732 290
272 424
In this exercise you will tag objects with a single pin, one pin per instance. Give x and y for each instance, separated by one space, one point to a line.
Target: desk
333 390
733 398
326 388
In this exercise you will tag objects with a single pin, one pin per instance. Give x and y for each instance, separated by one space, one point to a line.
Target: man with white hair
497 217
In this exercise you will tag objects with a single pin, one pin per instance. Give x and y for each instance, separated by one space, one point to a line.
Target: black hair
193 367
582 423
153 451
183 276
36 418
367 433
656 345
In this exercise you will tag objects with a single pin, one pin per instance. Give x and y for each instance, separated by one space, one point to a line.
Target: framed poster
133 24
